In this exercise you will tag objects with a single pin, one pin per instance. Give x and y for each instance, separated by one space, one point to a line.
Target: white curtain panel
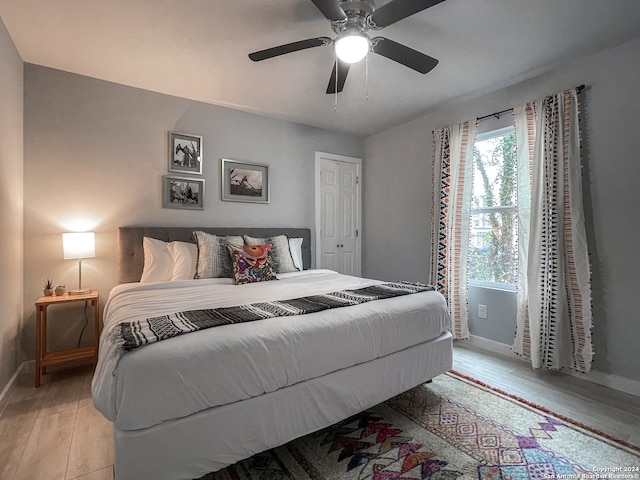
452 180
554 285
525 140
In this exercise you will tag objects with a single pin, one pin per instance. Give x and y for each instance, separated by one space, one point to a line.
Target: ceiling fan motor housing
358 13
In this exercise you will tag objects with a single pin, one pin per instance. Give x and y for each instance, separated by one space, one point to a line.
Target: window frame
499 132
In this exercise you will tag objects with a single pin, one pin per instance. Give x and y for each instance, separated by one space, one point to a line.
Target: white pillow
158 263
184 256
295 246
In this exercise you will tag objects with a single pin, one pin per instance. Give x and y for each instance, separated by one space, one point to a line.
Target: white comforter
189 373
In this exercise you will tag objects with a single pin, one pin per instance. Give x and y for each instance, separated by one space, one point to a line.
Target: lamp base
79 291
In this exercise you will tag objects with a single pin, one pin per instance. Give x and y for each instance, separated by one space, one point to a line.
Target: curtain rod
579 89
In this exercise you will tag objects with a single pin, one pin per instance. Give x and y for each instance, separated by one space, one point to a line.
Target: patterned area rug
452 428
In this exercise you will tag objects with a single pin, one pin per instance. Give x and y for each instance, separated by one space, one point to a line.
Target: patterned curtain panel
452 180
554 283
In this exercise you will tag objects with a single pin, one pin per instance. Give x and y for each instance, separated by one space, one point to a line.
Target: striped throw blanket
137 333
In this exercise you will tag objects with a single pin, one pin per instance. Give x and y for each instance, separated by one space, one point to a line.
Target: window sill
494 286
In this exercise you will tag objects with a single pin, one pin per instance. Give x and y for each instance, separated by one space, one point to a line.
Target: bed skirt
212 439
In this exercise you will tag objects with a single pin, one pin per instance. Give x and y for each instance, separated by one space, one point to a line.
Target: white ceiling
198 49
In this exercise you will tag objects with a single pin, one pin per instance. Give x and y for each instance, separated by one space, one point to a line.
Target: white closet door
338 213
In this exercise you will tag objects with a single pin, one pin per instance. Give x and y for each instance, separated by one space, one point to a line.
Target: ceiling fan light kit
351 20
352 46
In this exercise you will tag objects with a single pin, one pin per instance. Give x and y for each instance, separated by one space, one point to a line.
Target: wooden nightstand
45 359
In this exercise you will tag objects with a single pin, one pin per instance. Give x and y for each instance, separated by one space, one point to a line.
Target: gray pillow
281 259
214 261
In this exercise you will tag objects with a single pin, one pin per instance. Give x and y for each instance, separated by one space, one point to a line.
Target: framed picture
185 153
245 182
184 193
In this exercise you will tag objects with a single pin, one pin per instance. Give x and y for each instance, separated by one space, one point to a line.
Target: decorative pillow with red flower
251 263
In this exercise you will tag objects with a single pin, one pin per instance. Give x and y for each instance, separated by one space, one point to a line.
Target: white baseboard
493 346
22 368
610 380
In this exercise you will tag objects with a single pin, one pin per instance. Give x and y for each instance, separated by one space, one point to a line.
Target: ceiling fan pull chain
335 104
366 78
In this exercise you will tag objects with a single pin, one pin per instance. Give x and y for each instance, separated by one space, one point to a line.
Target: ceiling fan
351 20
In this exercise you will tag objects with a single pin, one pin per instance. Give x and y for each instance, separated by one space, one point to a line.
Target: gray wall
397 196
95 154
500 324
11 204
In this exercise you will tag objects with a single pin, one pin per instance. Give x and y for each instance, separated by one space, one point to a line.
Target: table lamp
79 245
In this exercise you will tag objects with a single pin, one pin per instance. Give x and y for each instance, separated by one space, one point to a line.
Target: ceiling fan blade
289 48
343 69
397 10
408 57
330 9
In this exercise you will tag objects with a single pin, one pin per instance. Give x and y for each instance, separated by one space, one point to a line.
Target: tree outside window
493 236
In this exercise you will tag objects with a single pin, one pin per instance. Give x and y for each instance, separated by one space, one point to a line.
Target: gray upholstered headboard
131 254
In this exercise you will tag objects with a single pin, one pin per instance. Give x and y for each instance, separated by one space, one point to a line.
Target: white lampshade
352 47
79 245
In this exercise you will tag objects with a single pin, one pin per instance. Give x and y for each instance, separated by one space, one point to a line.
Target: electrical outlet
482 311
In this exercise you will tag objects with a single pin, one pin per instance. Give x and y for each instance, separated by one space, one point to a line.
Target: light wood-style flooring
612 412
55 433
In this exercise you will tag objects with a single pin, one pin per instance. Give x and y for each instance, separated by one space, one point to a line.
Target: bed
196 403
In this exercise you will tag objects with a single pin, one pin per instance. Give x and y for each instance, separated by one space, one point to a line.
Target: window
492 242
